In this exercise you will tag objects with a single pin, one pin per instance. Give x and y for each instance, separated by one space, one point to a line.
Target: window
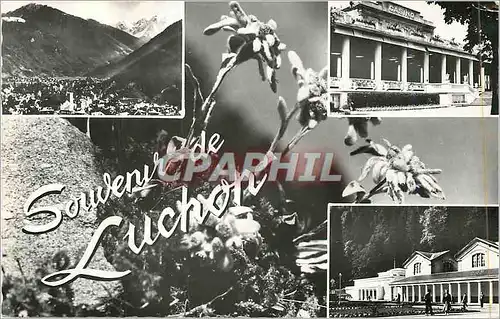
417 268
448 266
478 260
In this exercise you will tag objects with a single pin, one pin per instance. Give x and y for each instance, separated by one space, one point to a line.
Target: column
441 290
346 56
378 61
478 290
419 293
449 291
471 73
413 293
482 84
426 67
459 293
468 293
491 292
434 299
443 68
457 71
339 67
404 65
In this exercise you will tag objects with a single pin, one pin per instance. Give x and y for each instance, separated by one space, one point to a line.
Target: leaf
368 167
353 188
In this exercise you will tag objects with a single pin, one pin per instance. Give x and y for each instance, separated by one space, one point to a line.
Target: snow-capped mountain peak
144 28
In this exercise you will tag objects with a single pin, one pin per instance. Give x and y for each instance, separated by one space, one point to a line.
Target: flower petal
270 39
278 61
303 94
369 166
238 12
267 52
323 74
312 124
257 45
282 109
215 27
246 226
297 66
351 137
353 188
272 24
229 29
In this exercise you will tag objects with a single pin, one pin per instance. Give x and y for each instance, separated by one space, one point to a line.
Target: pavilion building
474 269
386 47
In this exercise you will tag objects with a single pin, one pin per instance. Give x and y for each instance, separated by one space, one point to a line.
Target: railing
335 82
392 85
353 18
366 84
340 85
413 86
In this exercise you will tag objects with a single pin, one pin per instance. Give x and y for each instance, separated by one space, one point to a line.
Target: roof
481 274
487 242
427 255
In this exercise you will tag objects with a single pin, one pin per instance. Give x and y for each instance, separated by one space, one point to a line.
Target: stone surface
38 151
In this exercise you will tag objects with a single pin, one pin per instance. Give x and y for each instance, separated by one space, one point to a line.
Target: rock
38 151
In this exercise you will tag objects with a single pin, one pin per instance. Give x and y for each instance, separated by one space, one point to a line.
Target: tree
481 19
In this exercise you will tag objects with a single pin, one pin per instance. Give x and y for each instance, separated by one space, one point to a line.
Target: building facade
375 288
386 47
473 270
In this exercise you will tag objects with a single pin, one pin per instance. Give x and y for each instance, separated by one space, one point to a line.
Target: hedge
357 100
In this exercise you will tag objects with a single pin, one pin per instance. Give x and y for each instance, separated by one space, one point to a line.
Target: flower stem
200 122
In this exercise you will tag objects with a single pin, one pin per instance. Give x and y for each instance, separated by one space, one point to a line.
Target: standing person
447 302
481 299
428 303
399 298
464 302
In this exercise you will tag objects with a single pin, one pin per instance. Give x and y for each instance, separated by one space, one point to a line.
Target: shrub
358 100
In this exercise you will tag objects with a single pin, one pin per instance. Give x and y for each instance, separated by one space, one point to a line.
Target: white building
474 269
375 288
382 46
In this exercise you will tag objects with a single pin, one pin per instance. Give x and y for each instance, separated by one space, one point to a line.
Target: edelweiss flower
395 171
252 39
312 95
358 127
234 229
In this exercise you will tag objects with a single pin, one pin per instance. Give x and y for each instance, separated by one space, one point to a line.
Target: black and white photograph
414 58
249 159
114 58
266 256
413 261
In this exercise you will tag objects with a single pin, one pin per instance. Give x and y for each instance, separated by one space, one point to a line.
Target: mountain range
152 68
144 29
39 40
46 41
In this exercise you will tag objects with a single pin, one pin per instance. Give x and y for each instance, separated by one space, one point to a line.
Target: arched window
417 268
478 260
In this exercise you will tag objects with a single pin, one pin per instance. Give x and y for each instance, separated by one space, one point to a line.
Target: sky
431 12
110 12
